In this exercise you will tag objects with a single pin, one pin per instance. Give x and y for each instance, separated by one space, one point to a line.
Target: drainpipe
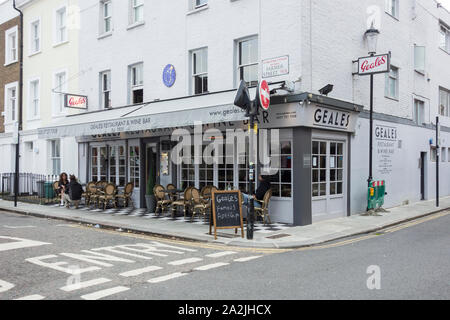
19 126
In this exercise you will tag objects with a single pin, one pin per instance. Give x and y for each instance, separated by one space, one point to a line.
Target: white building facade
147 67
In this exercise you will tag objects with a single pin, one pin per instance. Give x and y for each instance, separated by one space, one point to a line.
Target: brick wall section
9 73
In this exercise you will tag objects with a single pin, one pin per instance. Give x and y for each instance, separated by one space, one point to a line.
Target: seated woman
63 185
264 186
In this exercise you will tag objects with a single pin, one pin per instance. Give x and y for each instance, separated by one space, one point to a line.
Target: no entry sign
264 94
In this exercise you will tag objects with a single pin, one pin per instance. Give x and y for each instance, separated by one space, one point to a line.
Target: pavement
292 237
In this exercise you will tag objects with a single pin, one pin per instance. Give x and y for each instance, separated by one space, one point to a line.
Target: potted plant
149 196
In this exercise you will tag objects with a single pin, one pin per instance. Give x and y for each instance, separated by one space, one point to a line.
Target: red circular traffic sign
264 94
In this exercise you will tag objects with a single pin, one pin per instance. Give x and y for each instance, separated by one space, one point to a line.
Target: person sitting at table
73 195
264 186
63 185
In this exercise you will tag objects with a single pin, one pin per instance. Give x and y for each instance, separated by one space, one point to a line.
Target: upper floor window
61 25
419 112
59 89
444 39
444 102
105 89
199 3
11 102
392 78
137 11
11 54
248 61
199 71
136 83
35 37
106 16
392 7
34 98
419 58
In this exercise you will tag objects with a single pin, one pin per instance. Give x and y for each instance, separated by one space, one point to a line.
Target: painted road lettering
19 243
5 286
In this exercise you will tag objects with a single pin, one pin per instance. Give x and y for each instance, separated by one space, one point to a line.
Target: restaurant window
35 37
137 83
392 7
106 17
98 163
61 25
282 181
243 170
319 168
55 156
225 171
105 89
34 99
391 90
444 102
134 165
11 102
11 55
247 68
137 11
187 170
444 38
58 92
117 164
199 71
336 164
419 112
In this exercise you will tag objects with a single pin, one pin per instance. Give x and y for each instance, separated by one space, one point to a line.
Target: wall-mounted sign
385 133
75 101
330 118
275 67
386 140
374 64
169 75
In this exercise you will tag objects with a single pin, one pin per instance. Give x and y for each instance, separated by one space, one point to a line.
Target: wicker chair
206 192
126 196
161 202
97 191
264 210
109 195
172 196
88 192
198 204
184 202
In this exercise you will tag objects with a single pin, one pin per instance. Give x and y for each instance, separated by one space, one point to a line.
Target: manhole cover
278 236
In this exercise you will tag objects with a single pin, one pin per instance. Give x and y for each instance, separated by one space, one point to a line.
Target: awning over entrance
209 108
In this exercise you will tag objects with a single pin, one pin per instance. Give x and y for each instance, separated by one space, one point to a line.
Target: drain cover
278 236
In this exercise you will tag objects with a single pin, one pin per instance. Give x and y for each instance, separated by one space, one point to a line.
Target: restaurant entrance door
151 169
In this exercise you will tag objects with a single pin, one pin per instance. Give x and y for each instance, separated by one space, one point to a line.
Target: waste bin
49 192
40 188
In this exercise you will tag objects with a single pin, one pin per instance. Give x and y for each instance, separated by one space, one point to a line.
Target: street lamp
371 36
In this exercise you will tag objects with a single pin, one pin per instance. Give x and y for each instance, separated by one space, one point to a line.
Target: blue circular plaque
169 75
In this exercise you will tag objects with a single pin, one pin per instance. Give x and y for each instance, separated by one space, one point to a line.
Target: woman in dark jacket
63 185
75 190
264 186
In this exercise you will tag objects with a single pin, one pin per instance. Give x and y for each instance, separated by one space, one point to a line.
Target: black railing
33 188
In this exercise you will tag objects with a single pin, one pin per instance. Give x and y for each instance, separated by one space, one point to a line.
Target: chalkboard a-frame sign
227 210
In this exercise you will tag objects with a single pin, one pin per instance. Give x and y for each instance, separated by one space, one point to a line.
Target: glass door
117 164
98 163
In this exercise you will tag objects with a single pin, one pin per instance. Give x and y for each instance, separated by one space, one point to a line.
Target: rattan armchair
126 196
109 195
161 202
198 204
264 210
184 202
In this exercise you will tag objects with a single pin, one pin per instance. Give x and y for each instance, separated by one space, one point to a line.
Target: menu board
227 210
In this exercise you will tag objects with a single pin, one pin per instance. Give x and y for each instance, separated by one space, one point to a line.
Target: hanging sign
374 64
75 101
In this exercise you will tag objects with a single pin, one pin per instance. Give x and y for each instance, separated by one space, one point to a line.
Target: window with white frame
199 71
55 156
281 181
105 89
247 68
11 102
136 11
58 91
444 38
60 25
106 16
444 102
136 85
134 164
419 58
11 52
187 168
199 3
34 98
419 112
35 37
392 7
444 154
392 79
433 154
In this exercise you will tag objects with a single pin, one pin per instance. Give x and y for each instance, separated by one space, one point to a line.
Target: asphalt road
49 259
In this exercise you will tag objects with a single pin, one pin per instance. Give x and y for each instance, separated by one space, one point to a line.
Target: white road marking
185 261
5 286
211 266
92 257
32 297
104 293
168 277
245 259
220 254
19 243
58 265
137 272
84 284
18 227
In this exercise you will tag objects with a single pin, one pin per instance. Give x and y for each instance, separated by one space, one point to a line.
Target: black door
422 175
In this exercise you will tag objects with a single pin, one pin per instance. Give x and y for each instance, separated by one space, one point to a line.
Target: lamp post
371 36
